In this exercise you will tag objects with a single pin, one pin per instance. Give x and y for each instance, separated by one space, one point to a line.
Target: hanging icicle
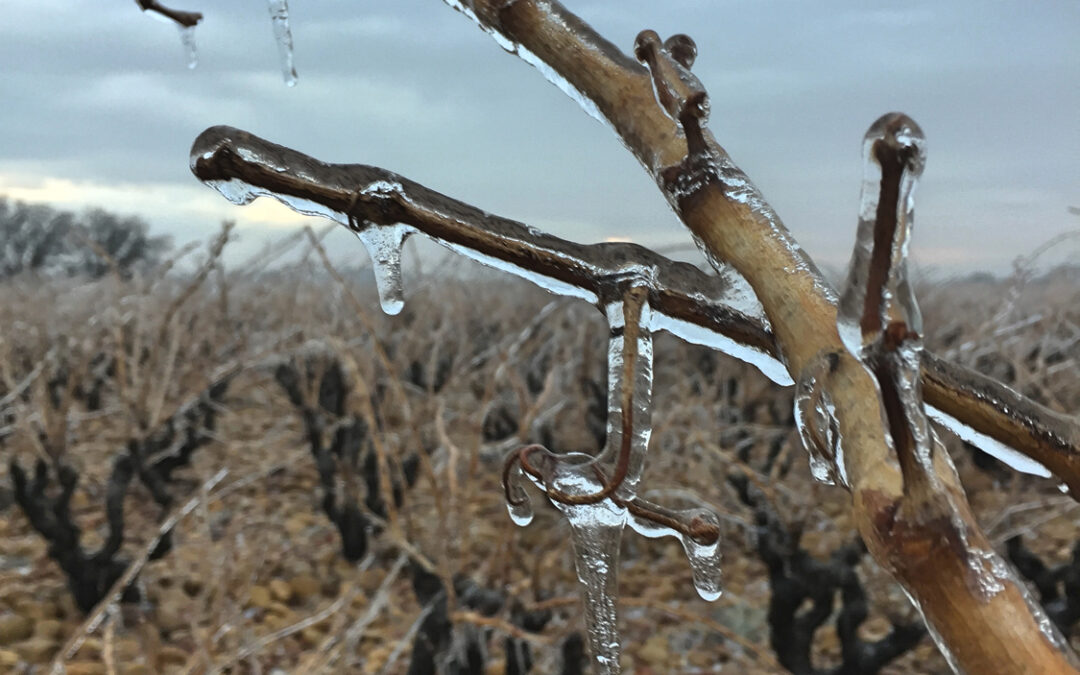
279 18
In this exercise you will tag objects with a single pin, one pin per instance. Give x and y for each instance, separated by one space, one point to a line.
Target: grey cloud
102 96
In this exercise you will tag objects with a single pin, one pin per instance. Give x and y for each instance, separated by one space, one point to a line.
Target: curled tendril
699 529
540 469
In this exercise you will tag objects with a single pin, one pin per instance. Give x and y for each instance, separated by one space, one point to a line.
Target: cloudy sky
97 108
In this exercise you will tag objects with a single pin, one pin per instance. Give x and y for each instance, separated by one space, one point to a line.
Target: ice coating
592 492
815 418
549 73
877 290
383 244
598 495
279 19
904 365
700 335
597 528
989 445
630 359
704 557
187 40
240 193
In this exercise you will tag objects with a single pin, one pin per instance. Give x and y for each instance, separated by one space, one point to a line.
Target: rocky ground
256 581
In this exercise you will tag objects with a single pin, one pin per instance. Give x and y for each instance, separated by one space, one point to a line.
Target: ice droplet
815 418
517 500
279 19
704 558
187 40
886 209
383 244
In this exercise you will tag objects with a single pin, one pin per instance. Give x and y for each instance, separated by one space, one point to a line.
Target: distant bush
40 239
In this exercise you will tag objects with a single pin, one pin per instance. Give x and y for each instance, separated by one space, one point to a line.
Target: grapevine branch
660 114
182 17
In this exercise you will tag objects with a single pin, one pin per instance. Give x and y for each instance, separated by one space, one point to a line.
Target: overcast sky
97 108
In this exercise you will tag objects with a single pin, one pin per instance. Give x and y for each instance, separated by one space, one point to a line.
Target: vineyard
334 479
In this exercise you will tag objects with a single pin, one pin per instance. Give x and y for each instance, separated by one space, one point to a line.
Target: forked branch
925 533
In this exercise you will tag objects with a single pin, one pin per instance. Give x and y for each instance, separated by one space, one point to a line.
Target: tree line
39 239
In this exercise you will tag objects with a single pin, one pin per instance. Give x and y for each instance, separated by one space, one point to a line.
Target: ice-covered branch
704 309
925 534
717 311
659 112
181 17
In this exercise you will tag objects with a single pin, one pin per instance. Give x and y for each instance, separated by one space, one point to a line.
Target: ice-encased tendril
598 495
876 292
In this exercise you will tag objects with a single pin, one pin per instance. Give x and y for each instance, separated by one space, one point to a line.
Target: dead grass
256 581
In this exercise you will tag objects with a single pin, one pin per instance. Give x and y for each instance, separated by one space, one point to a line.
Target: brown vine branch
182 17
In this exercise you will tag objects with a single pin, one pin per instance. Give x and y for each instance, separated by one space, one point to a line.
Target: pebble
305 586
172 656
48 628
15 628
281 590
172 610
8 657
36 650
261 597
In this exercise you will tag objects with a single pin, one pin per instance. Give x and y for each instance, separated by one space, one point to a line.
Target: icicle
596 531
517 500
877 291
815 417
383 244
597 528
187 40
279 17
878 318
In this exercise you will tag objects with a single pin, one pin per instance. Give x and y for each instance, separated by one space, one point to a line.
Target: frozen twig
181 17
